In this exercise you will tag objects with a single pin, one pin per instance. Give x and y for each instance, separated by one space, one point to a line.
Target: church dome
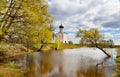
61 26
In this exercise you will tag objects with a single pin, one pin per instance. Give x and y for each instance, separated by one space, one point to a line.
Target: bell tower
61 28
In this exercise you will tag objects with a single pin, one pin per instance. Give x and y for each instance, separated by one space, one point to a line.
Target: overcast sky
85 14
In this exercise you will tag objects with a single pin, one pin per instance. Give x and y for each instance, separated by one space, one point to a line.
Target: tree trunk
40 48
108 55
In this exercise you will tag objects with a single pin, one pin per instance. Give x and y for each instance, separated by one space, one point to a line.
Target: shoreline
9 51
17 49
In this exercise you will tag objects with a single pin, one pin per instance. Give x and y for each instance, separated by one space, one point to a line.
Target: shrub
70 42
3 55
118 59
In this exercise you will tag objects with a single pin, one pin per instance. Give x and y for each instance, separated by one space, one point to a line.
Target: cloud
112 34
75 14
112 24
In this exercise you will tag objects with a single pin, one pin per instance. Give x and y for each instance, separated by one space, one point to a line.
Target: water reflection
90 72
82 62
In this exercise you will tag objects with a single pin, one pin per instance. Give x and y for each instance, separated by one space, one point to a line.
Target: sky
86 14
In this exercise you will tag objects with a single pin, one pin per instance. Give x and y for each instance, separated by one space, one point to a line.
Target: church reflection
60 64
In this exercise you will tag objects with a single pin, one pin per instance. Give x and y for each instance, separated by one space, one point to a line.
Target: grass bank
11 70
52 46
7 53
118 62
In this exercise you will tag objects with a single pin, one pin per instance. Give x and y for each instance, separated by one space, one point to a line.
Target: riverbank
8 52
52 46
11 70
118 62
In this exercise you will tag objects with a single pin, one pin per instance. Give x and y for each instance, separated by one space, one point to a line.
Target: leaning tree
91 36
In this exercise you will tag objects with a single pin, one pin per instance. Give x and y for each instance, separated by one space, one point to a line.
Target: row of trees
25 21
107 43
94 38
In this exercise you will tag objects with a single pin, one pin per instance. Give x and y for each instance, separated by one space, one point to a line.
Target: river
80 62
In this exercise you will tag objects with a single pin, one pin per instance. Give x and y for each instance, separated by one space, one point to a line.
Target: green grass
118 59
69 46
118 49
10 71
3 43
61 47
52 46
7 68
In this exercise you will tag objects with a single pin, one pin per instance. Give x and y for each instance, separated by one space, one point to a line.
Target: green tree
25 21
70 42
30 12
91 36
58 43
103 43
107 43
110 43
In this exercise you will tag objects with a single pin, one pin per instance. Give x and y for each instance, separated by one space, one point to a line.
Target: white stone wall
65 38
62 36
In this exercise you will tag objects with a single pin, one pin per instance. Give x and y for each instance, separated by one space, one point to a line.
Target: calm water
81 62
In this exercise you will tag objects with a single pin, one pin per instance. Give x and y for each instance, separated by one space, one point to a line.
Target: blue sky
85 14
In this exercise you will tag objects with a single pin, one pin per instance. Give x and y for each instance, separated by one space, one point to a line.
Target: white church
61 35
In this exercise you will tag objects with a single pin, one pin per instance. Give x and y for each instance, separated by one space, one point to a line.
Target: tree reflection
45 63
59 64
31 66
90 72
38 64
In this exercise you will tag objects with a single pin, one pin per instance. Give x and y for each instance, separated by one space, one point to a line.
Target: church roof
61 26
